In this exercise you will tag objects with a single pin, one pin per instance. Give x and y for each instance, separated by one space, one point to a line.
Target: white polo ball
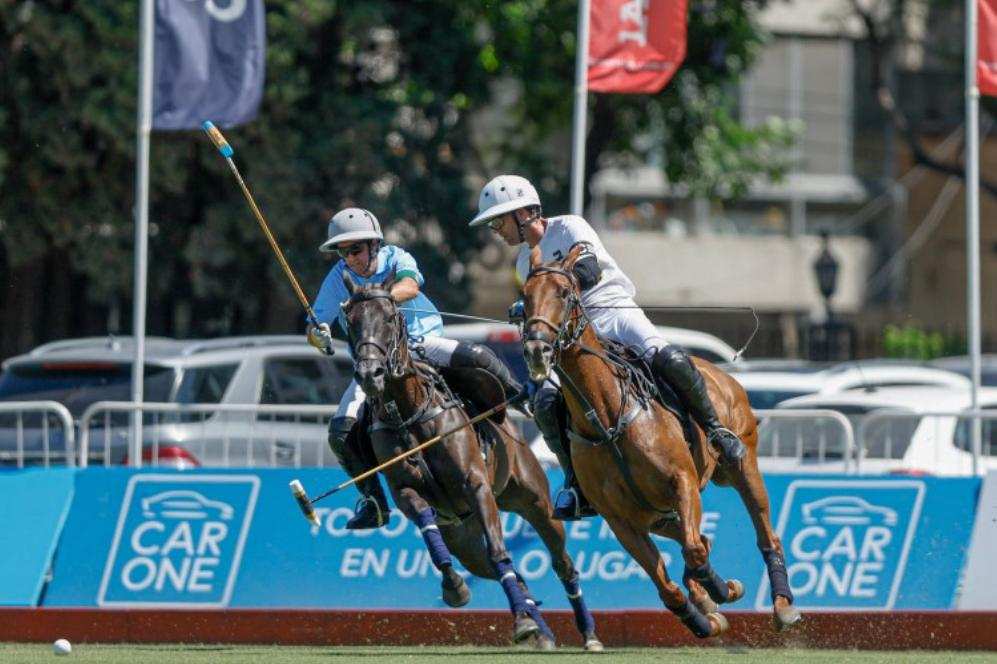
62 647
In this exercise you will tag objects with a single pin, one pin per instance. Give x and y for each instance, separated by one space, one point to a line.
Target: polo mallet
226 151
306 504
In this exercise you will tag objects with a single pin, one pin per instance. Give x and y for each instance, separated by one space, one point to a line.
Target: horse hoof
784 617
735 590
705 604
544 643
524 628
456 596
718 622
593 644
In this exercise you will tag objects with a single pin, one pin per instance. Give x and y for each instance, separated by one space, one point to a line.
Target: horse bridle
564 337
391 354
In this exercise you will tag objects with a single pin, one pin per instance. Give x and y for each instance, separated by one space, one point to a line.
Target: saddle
647 385
477 388
478 391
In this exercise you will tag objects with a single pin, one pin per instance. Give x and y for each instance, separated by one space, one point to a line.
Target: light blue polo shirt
333 293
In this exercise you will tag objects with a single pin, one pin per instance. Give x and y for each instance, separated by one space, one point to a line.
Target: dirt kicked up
19 653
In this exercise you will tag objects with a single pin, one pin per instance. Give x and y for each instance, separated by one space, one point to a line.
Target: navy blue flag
209 62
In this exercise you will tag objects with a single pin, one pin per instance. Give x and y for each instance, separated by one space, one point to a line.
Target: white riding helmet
351 224
502 194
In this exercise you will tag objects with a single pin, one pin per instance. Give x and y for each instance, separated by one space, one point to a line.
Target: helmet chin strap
520 225
372 249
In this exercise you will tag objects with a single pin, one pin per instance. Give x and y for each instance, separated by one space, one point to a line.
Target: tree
384 104
691 124
894 29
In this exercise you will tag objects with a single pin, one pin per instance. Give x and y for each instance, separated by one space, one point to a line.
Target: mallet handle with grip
306 504
227 152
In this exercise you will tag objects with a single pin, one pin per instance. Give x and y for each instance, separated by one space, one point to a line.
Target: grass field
18 653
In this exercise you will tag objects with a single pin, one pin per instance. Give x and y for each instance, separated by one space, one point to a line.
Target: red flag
986 59
635 45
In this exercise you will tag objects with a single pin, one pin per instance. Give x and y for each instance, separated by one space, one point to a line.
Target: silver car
254 370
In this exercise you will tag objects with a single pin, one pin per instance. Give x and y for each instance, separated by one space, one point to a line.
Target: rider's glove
517 312
320 336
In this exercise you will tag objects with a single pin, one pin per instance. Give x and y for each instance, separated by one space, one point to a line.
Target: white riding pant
438 350
629 327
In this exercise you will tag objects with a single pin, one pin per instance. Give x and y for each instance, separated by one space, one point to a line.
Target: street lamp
826 268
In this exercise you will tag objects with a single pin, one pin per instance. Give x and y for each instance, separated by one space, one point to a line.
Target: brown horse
631 457
453 490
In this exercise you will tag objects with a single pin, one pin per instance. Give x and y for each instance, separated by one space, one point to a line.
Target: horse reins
425 411
564 340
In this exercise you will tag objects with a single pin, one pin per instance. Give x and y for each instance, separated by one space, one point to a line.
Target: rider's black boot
672 365
476 356
372 509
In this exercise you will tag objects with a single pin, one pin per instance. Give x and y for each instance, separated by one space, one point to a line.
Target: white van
769 382
902 437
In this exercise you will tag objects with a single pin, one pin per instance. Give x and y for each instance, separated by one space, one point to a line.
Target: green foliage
910 342
402 106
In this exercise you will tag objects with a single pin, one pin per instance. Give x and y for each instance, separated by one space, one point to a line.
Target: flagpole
144 128
581 109
973 225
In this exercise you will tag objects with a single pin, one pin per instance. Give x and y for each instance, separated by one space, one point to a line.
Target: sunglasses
497 223
351 250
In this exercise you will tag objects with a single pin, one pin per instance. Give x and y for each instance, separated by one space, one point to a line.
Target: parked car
236 370
908 442
769 382
960 364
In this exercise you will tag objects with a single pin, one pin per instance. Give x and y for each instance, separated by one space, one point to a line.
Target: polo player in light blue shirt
355 235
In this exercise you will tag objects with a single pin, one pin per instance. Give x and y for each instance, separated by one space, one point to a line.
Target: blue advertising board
34 506
216 538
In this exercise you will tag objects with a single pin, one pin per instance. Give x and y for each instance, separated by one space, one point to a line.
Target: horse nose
538 357
538 350
370 375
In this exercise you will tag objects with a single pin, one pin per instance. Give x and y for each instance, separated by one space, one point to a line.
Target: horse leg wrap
534 612
778 578
510 584
710 580
426 520
694 619
583 618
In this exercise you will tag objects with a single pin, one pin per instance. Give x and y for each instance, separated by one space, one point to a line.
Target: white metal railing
216 433
215 441
45 409
292 435
929 444
812 445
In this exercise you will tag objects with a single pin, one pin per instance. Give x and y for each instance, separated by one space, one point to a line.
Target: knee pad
468 354
339 431
670 356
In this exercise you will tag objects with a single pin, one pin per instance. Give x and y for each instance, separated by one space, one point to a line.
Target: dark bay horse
631 457
452 490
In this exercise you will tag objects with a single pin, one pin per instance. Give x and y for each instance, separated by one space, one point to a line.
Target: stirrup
569 505
366 518
732 449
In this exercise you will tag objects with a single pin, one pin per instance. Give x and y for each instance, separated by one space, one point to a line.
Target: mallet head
303 502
